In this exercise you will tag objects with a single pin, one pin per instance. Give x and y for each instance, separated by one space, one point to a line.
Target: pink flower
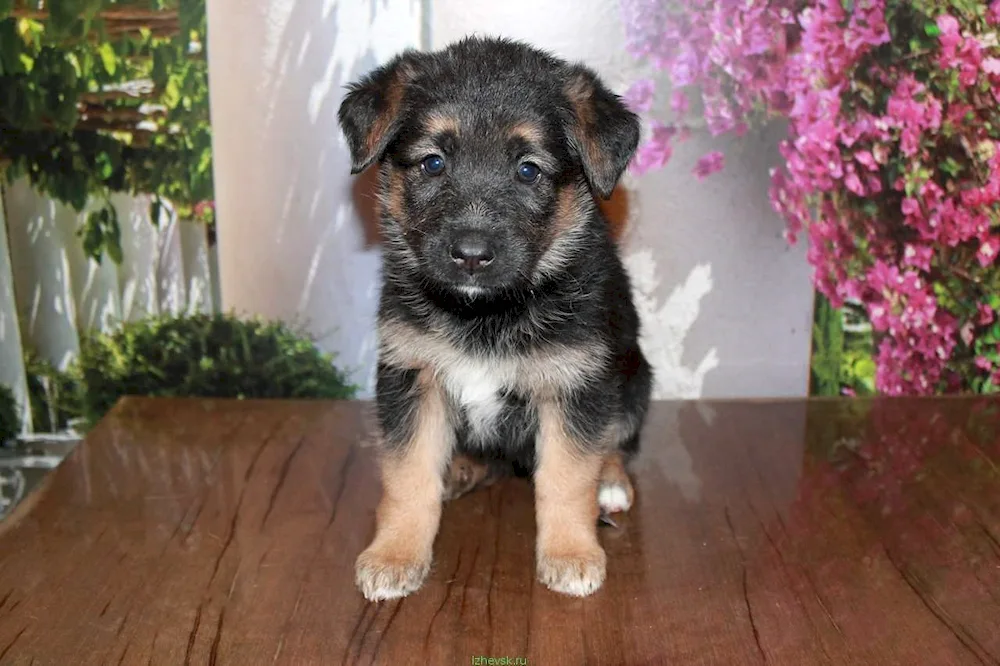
881 153
866 159
988 250
950 38
991 66
639 96
684 69
655 153
993 13
966 334
679 103
948 25
853 183
918 256
709 164
986 315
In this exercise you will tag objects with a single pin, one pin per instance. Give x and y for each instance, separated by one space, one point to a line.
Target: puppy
508 340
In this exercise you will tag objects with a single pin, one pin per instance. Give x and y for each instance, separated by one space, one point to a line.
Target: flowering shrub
892 162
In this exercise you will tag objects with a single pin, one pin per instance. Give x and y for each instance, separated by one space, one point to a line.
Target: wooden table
789 532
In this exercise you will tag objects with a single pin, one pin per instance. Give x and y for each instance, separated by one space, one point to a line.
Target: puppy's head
491 154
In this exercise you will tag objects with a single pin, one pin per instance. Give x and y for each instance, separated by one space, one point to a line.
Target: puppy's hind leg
614 491
407 518
465 474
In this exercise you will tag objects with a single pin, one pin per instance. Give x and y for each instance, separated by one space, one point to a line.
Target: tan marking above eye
529 131
441 123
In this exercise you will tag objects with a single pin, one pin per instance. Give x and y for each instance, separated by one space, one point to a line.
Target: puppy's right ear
603 132
371 113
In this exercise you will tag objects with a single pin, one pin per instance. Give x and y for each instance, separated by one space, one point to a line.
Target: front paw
577 572
383 572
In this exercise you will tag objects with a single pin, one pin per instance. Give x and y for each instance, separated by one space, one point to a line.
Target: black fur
557 281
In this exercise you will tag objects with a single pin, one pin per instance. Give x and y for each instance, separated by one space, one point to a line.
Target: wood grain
788 532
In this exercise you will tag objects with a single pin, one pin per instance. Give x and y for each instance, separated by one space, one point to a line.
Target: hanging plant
99 97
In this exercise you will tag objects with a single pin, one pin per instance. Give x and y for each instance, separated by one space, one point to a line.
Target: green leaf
172 93
931 29
10 49
155 208
864 368
29 30
205 162
6 7
114 250
951 167
63 19
75 64
104 166
93 238
992 335
108 58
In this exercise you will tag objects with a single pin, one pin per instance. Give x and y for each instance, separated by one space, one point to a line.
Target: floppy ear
602 132
371 113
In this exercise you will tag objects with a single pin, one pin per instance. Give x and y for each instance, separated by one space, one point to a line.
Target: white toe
613 498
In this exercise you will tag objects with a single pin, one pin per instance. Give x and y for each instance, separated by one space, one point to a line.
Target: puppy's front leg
415 453
569 558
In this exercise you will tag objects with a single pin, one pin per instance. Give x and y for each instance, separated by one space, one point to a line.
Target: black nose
472 251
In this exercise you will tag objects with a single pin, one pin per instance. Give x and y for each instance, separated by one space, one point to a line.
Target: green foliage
102 233
10 418
828 348
215 356
53 394
843 351
99 96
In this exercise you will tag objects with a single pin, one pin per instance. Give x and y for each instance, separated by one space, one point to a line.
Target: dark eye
433 165
528 172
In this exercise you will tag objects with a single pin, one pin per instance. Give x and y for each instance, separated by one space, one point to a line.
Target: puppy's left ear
371 114
602 131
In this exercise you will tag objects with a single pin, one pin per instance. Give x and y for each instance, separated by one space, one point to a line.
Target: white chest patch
477 387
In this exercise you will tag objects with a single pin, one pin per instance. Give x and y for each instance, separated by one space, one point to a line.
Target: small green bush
10 418
843 351
212 356
53 394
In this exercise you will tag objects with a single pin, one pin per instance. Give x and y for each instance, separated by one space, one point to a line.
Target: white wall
61 292
44 252
291 243
727 305
11 361
51 292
